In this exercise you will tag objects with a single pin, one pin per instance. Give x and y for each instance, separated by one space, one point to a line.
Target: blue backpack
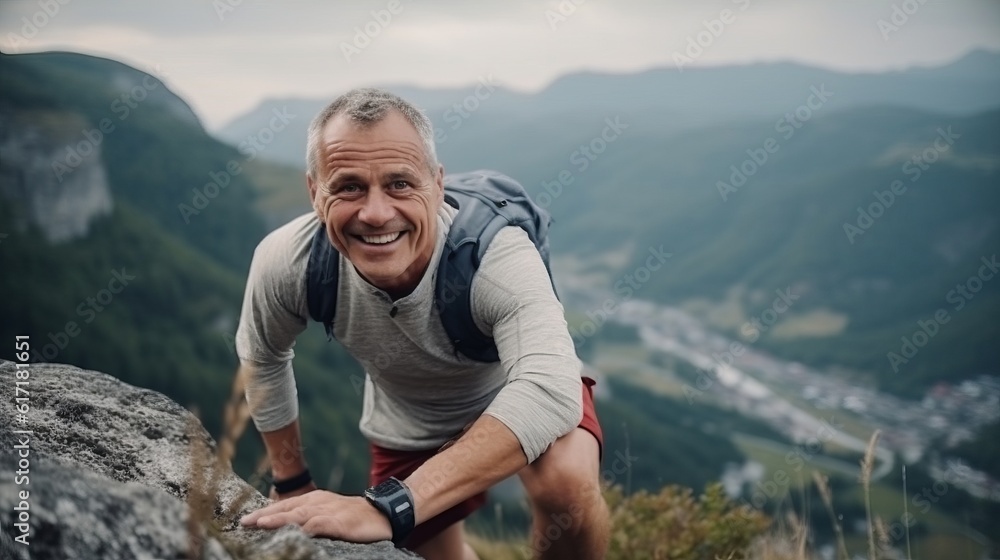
486 201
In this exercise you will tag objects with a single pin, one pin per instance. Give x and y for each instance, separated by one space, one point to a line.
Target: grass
887 503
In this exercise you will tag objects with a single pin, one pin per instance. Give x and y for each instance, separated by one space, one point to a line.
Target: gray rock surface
111 474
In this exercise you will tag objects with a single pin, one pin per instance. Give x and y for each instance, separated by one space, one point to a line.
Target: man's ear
311 184
440 182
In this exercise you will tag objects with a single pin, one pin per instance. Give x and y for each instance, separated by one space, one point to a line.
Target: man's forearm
488 453
284 449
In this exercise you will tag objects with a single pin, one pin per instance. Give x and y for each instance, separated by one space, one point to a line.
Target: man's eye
400 185
349 188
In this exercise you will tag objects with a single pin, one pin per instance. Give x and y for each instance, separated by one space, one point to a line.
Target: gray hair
366 107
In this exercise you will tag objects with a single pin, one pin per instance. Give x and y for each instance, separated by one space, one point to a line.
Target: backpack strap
487 202
322 275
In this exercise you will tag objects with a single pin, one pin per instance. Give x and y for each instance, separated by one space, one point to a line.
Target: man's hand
325 514
304 490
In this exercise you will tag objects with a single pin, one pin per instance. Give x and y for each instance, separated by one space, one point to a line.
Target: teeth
381 239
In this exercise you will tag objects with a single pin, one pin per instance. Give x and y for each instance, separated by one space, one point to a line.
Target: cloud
226 61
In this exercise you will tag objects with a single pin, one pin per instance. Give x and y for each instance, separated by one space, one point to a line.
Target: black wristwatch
395 501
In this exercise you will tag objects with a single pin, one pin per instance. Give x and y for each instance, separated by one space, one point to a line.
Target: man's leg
569 516
447 545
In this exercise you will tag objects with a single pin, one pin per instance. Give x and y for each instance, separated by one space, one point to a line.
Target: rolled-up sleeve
270 320
513 299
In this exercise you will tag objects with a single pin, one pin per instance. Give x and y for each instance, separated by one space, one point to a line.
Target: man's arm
270 320
284 450
485 455
488 453
513 301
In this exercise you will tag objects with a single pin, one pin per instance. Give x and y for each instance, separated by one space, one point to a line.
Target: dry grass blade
235 417
822 483
198 498
867 466
883 534
906 516
236 507
800 534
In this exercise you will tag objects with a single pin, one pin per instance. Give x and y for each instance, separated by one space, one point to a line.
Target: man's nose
377 209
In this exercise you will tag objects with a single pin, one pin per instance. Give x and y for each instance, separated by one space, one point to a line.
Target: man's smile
385 241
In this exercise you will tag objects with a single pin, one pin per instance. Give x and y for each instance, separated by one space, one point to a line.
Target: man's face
378 199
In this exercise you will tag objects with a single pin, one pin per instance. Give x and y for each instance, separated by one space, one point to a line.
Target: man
446 426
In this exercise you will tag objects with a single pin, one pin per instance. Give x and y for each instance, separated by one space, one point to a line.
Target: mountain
872 243
666 100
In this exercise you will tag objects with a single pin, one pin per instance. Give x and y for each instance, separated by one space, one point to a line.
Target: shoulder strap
487 202
322 275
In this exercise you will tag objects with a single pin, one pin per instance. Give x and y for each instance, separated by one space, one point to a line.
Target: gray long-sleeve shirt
418 392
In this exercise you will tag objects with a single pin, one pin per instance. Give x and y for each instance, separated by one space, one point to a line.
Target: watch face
384 488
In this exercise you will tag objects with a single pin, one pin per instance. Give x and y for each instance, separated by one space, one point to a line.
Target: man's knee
565 478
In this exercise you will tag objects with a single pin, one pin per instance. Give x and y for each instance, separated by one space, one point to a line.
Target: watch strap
292 484
395 501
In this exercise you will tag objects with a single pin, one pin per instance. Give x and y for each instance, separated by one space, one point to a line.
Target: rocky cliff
111 472
51 172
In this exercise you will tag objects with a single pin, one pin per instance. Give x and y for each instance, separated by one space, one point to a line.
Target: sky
226 56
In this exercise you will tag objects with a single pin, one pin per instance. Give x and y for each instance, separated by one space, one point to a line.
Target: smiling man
443 428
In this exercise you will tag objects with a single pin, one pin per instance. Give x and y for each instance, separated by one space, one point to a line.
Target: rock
111 475
52 172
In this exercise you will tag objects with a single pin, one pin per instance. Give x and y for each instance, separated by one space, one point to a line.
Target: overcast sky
224 56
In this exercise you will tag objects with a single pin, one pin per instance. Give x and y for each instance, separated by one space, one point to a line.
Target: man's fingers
275 508
280 520
298 516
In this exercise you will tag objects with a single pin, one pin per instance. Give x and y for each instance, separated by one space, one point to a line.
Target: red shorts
401 464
